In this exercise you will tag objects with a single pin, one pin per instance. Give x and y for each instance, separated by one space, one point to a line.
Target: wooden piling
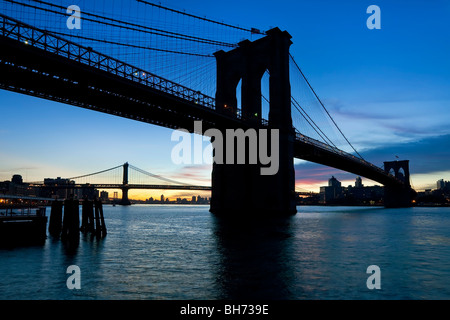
100 227
55 224
71 222
91 222
87 220
102 219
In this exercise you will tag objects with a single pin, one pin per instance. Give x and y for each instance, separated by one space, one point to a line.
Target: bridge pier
125 201
242 189
398 196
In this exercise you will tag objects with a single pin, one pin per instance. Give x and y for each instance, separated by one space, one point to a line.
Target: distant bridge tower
240 189
125 201
398 196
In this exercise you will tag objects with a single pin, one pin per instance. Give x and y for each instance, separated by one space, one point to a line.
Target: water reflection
254 257
185 252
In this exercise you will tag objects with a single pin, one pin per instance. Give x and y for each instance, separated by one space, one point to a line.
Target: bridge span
39 63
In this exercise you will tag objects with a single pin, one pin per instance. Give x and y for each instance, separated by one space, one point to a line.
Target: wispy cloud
374 125
193 174
426 156
339 108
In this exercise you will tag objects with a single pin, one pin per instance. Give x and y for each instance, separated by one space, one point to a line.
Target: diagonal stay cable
318 99
308 121
313 125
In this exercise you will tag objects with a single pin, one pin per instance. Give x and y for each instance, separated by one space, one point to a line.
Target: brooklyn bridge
252 83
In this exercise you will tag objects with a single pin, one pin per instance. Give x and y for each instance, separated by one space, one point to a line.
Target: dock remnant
71 222
56 214
100 230
87 216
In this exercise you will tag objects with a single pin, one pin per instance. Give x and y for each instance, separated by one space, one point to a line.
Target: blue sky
387 89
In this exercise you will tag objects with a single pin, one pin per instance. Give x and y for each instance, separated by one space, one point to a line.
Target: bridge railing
49 42
340 152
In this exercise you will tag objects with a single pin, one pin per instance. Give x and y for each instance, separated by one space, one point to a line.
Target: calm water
184 252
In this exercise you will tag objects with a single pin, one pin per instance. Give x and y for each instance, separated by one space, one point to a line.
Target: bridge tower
241 189
398 196
125 201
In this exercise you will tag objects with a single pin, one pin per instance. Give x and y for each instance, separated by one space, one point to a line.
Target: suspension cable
91 174
128 25
252 30
156 176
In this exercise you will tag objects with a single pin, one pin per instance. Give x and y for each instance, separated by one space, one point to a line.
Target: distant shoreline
304 205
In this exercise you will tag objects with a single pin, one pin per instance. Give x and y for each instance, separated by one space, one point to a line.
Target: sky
388 89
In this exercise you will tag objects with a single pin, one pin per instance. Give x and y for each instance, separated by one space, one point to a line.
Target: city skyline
387 90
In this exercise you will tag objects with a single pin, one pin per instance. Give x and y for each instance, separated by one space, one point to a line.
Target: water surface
184 252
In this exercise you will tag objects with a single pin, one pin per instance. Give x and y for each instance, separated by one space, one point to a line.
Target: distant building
333 182
104 195
17 179
162 198
53 188
443 186
4 187
358 183
332 192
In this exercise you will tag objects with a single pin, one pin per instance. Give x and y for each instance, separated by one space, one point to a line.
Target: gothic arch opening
265 93
401 174
239 98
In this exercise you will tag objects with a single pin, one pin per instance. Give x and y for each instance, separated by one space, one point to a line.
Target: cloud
377 124
427 155
193 174
310 176
339 108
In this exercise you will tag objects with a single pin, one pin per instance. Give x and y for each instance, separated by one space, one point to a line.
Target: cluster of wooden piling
68 228
90 222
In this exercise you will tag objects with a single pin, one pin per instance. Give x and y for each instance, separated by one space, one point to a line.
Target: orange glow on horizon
143 195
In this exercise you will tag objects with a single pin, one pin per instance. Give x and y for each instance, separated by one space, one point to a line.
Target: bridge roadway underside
33 71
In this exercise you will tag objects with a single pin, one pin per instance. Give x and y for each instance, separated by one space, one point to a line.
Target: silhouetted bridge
40 63
141 177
